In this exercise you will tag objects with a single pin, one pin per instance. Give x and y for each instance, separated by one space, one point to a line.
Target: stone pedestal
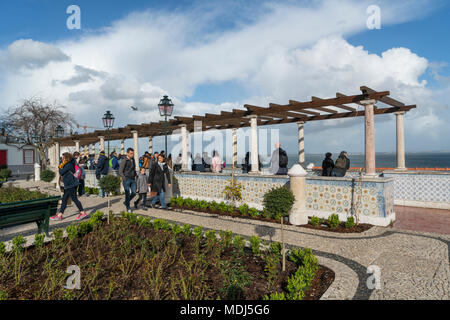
298 215
37 172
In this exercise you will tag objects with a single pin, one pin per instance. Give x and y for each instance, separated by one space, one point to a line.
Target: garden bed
245 212
134 258
13 194
359 228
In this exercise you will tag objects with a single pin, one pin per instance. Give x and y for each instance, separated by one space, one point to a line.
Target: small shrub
18 243
279 201
239 243
243 209
226 237
58 234
39 240
253 212
266 214
210 236
315 221
109 183
333 220
198 232
84 228
5 174
3 295
275 248
47 175
72 232
2 249
275 296
187 231
350 223
256 245
176 229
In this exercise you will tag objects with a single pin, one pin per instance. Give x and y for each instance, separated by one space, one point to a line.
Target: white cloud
30 54
283 51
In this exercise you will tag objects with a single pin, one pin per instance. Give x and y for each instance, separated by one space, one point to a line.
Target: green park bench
39 211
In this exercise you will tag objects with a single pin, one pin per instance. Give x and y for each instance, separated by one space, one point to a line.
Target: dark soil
362 227
125 261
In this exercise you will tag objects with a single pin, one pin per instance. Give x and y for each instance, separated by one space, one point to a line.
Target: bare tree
34 123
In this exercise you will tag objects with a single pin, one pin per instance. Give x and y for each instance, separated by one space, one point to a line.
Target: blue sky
413 41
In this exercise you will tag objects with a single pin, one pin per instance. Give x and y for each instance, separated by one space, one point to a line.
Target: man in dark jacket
279 161
127 171
327 165
101 170
157 180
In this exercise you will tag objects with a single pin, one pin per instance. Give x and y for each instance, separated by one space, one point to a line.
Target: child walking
142 188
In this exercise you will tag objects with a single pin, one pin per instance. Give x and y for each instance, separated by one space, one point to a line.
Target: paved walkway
422 219
413 265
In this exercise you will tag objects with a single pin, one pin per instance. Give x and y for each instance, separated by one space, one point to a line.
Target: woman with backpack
67 172
341 166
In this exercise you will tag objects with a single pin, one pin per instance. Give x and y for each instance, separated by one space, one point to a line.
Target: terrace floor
413 264
422 219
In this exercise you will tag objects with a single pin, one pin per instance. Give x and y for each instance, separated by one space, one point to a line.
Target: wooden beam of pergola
340 106
386 100
275 114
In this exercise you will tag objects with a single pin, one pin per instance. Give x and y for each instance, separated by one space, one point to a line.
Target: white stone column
369 137
235 156
298 215
37 172
301 144
254 144
122 146
102 143
150 145
136 148
401 165
77 146
92 151
184 147
57 155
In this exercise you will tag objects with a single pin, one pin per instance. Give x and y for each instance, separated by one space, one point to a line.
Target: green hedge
13 194
48 175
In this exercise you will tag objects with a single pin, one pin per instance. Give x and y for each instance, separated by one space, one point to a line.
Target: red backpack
77 173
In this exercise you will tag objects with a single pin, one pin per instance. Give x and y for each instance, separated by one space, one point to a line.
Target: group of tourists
140 184
335 169
201 163
72 178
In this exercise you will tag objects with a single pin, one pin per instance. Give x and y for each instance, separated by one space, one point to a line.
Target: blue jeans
160 197
129 186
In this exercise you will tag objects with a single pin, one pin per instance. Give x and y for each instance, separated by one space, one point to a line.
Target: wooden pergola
340 107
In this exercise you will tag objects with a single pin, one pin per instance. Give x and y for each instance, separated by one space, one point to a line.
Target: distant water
382 160
385 160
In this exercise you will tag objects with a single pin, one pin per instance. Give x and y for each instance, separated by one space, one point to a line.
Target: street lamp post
165 107
108 123
59 132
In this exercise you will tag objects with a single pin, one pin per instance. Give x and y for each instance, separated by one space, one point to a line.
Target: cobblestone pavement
413 265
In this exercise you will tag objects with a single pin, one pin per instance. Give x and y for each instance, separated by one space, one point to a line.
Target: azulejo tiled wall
421 187
344 196
211 186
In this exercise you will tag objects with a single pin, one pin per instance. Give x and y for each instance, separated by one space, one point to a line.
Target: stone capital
368 102
297 171
301 123
400 113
